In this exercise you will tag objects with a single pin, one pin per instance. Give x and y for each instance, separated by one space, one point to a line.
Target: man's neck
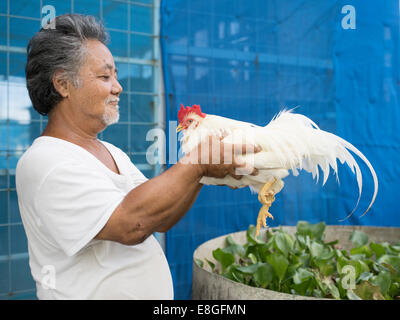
60 125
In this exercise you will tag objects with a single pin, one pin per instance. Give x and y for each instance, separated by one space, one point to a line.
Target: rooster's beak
179 128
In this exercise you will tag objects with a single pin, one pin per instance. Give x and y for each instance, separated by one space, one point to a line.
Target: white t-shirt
66 196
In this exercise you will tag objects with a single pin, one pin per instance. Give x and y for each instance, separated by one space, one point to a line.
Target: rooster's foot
266 196
262 218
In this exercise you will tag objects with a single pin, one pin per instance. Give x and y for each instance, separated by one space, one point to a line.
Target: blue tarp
339 61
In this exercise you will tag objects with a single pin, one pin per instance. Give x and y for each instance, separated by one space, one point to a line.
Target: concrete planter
209 285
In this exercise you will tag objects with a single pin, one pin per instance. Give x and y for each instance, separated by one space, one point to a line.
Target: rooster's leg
266 197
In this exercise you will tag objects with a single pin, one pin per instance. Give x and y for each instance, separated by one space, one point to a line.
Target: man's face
98 94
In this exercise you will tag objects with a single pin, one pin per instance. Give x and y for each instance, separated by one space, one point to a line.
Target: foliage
307 265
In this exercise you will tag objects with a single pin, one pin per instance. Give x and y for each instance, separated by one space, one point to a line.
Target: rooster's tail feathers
300 144
346 157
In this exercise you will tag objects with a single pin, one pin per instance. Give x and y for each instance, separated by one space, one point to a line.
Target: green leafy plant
307 265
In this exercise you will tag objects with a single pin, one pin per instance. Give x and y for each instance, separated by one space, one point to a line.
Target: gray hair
62 48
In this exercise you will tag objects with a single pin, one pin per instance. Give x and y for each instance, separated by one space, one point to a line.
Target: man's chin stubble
110 118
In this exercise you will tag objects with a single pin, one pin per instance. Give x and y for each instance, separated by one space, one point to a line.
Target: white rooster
289 142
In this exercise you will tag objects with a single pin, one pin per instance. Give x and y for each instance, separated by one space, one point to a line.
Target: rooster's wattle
289 142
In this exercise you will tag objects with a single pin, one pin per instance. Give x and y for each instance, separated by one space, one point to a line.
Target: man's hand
218 159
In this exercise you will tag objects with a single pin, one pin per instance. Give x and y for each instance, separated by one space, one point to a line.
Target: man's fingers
243 167
233 173
255 172
239 162
235 176
223 134
246 148
227 158
240 148
225 185
246 170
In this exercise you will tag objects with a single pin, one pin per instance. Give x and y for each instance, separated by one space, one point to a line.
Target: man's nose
116 88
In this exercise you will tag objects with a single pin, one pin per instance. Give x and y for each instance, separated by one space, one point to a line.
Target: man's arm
155 205
159 203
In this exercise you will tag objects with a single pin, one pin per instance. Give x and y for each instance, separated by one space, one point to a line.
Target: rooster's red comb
184 112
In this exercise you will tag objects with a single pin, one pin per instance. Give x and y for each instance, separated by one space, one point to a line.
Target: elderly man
88 212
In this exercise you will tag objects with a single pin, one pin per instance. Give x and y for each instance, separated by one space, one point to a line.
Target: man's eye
105 77
190 121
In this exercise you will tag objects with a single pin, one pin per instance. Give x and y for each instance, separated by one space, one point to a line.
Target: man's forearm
160 202
178 210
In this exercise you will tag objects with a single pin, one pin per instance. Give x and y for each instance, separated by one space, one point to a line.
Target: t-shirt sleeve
137 176
74 203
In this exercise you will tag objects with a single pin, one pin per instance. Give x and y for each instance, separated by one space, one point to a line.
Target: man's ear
61 83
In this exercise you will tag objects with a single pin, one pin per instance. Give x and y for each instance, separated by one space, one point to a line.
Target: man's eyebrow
109 66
